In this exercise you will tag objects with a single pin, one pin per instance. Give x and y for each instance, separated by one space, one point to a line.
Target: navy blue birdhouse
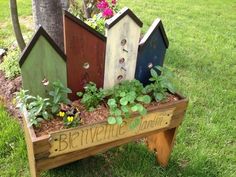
152 49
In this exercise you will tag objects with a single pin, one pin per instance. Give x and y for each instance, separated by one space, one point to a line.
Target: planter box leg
162 143
32 164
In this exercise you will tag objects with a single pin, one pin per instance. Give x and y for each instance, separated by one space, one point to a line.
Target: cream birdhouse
123 34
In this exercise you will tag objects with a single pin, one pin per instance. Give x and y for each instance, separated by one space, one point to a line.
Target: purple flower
103 4
108 12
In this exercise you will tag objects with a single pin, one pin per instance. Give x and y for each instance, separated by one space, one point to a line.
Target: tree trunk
16 25
48 14
86 9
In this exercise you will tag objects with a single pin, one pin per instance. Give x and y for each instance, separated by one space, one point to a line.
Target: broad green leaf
159 68
152 79
145 99
55 109
51 93
39 119
119 120
123 101
111 120
45 114
154 73
117 112
171 88
122 94
134 108
111 102
159 96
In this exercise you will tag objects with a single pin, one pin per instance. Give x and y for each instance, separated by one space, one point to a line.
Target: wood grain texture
120 60
152 49
85 50
39 154
162 143
29 138
42 60
48 163
70 140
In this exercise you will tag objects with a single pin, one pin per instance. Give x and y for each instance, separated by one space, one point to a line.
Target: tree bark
16 25
86 9
48 14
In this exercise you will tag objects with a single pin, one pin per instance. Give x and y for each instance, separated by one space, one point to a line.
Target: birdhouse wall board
42 61
152 49
121 48
85 50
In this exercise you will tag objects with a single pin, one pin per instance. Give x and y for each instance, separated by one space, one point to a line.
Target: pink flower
108 12
103 4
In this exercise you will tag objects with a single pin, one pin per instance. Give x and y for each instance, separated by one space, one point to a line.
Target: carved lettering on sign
91 135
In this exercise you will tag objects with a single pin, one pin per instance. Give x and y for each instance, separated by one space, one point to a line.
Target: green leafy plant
38 110
92 96
161 84
126 98
10 64
58 96
97 22
22 98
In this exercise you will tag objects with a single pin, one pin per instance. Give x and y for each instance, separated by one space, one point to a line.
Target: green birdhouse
42 62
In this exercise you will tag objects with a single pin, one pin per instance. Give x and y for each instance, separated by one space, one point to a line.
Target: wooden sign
152 49
42 62
85 50
91 135
123 33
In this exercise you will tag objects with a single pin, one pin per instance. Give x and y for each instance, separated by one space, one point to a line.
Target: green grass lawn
202 53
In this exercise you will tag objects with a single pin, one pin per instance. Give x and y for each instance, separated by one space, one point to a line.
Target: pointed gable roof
84 25
156 24
117 17
29 47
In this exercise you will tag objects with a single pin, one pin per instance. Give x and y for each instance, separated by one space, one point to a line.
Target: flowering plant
107 9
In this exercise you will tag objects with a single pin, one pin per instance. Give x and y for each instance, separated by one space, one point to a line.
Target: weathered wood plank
42 144
41 158
152 49
88 136
85 50
48 163
30 150
162 144
123 34
42 61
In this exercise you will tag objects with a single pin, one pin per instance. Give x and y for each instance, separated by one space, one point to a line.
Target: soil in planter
88 117
7 89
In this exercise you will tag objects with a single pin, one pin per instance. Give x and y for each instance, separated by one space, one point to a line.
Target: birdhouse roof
84 25
156 24
29 47
122 13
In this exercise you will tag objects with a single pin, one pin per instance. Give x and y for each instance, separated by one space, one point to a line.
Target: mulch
99 114
9 87
7 90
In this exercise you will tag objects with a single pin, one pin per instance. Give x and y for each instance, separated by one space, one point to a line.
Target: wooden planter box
62 147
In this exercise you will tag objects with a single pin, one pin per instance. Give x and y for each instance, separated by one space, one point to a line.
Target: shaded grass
202 53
